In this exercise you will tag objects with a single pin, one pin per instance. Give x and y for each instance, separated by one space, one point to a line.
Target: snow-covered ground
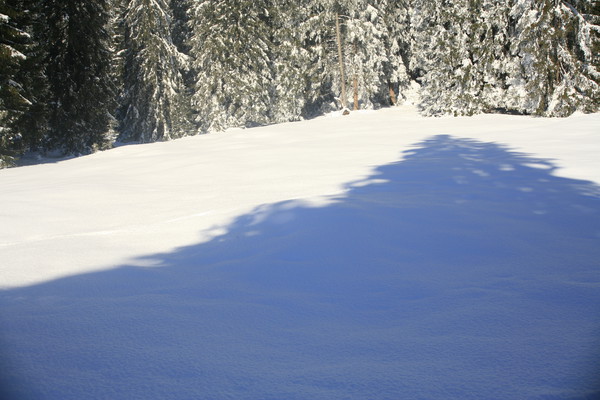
379 255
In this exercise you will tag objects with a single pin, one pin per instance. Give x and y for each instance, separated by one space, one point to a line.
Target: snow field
380 255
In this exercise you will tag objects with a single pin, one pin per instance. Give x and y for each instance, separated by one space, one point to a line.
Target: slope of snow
376 256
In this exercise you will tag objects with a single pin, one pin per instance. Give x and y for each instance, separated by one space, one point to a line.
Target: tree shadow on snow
464 271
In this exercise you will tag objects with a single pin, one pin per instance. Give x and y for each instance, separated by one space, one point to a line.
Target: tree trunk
355 92
393 98
355 81
341 59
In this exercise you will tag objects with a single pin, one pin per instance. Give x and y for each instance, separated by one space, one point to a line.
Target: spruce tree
422 17
451 82
371 62
487 32
180 29
318 30
77 45
13 103
230 46
33 124
463 65
554 73
290 60
367 57
397 46
154 104
22 79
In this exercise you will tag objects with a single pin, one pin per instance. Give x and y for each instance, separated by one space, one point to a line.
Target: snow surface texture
376 256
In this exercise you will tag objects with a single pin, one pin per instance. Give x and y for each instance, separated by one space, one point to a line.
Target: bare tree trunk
341 59
393 98
355 81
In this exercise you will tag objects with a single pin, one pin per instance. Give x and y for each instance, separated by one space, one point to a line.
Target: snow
379 255
14 53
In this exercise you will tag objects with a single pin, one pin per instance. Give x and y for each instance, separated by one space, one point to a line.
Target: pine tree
230 46
366 37
323 86
373 39
13 102
77 46
397 46
554 74
291 61
580 89
22 82
180 29
422 17
451 83
33 124
154 104
118 42
489 50
592 13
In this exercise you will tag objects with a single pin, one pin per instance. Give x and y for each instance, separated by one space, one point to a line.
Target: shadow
464 271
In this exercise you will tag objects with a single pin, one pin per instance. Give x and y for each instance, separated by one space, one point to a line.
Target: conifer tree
373 39
180 30
22 81
451 82
592 15
77 42
118 41
366 36
397 46
291 61
422 17
324 91
33 124
487 32
154 104
554 74
230 46
13 102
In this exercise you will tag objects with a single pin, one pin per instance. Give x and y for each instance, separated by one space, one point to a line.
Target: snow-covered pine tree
553 72
154 105
118 40
25 120
592 14
489 51
230 46
180 31
397 45
463 66
451 84
580 86
33 124
366 53
291 61
13 101
77 42
76 52
318 31
374 39
422 18
434 52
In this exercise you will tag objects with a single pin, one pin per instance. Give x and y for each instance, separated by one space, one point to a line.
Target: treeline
78 75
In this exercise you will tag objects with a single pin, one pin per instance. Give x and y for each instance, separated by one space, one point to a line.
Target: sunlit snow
379 255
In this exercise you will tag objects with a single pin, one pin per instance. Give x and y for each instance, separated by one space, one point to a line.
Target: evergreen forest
78 76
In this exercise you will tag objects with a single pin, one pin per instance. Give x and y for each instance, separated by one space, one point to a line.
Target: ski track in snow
376 256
